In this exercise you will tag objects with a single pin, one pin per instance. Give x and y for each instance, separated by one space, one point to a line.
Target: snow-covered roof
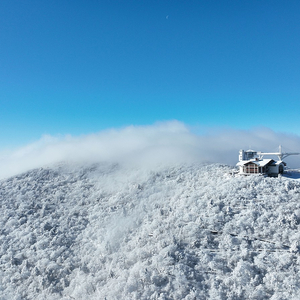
260 163
280 162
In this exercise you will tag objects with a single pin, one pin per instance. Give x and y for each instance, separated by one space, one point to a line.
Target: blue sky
78 67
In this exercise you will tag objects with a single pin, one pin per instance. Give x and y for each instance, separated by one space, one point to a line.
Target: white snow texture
105 231
144 213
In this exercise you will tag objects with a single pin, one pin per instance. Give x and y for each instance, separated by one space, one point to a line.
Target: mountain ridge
104 231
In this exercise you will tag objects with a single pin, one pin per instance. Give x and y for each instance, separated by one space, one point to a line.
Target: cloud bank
164 143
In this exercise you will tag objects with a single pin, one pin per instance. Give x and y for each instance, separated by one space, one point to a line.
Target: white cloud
161 143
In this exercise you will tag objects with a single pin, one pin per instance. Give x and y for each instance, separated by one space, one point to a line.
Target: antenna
281 155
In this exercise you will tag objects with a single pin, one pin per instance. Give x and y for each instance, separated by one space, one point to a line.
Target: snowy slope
188 232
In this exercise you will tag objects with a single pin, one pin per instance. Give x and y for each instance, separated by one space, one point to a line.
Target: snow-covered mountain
104 231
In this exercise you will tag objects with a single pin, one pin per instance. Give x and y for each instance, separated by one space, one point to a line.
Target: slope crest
104 231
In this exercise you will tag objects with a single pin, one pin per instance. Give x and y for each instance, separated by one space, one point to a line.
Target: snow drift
147 146
107 231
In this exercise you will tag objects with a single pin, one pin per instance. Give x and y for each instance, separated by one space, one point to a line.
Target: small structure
252 162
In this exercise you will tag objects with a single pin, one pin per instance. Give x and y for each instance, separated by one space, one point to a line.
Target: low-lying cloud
159 144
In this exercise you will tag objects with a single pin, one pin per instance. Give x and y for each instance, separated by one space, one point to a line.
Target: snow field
184 232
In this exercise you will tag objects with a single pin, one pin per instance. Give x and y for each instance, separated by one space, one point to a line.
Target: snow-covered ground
104 231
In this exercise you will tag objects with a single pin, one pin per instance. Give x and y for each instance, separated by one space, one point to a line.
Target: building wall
251 169
273 170
255 169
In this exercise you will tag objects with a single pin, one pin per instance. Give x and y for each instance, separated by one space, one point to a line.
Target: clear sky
77 67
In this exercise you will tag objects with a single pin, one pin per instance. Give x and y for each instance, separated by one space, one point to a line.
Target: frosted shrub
186 232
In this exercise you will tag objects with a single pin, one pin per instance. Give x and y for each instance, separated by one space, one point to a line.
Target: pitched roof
260 163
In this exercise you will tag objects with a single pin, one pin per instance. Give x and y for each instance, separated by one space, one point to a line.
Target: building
252 162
